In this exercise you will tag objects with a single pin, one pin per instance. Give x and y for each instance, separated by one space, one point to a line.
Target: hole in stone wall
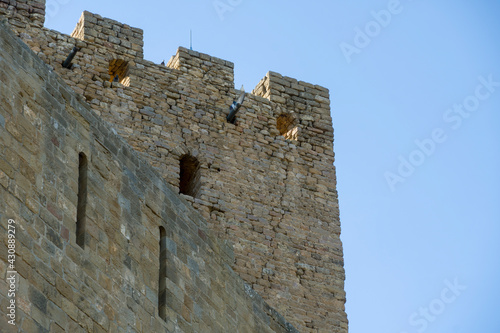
82 200
119 71
287 126
162 284
189 176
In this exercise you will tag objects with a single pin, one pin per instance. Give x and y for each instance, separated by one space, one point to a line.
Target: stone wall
119 37
110 283
23 14
266 183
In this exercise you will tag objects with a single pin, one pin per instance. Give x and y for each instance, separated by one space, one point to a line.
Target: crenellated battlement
121 41
212 70
118 37
265 183
303 103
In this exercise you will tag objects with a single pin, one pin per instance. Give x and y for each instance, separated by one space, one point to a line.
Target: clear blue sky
415 104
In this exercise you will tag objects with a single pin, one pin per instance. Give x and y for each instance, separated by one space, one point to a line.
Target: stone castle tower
139 208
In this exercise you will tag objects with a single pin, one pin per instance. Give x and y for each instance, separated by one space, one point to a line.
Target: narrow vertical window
162 285
82 200
189 182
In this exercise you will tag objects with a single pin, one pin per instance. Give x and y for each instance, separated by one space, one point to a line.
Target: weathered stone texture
116 36
111 285
23 13
266 184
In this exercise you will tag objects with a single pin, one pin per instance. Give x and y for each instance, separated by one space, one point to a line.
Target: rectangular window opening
119 72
